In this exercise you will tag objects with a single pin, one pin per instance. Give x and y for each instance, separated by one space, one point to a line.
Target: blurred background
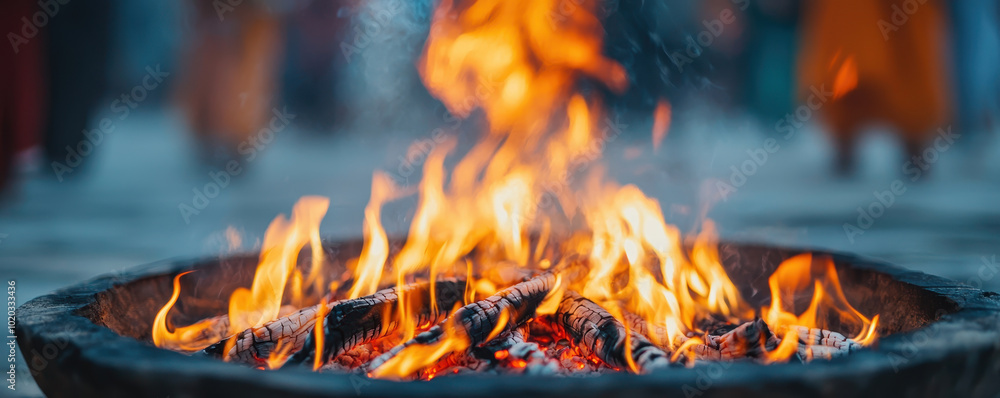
866 126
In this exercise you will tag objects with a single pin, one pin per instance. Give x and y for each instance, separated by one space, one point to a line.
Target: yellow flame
416 357
793 279
279 354
186 338
276 270
282 243
501 324
319 335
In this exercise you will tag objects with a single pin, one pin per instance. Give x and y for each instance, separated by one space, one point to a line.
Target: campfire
522 257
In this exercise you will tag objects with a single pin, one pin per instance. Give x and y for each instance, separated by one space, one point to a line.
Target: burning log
749 340
657 334
596 331
479 320
361 320
256 344
822 343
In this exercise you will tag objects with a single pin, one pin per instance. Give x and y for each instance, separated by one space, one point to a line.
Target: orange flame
319 335
279 354
828 305
252 307
282 243
416 357
187 338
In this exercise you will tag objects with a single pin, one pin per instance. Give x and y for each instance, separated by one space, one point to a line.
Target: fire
794 279
283 241
279 354
521 197
318 332
251 307
421 356
187 338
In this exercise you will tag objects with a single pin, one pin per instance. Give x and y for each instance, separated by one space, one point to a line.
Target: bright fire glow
252 307
805 276
522 197
186 338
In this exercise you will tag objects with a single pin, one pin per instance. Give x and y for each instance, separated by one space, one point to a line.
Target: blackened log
254 345
749 340
477 320
595 331
364 319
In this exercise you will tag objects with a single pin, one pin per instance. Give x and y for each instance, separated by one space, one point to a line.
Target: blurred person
226 86
147 34
887 59
769 74
22 85
314 59
977 63
78 43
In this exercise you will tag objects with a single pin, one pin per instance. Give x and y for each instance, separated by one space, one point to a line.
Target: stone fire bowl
93 339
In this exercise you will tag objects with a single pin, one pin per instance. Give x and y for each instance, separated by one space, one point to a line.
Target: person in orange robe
885 62
228 80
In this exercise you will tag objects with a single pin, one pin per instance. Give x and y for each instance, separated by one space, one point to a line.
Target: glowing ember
514 210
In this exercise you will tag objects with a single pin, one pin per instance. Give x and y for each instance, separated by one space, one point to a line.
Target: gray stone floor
124 212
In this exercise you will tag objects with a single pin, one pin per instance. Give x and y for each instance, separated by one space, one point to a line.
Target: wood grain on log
655 333
596 331
358 321
254 345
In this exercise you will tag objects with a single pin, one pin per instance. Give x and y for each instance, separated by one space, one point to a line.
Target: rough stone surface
941 339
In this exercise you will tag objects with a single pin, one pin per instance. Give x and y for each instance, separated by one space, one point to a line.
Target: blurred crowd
70 68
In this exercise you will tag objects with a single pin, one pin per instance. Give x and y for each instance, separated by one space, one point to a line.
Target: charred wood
476 321
593 329
361 320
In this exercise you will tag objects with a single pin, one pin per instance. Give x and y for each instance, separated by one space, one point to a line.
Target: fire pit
94 339
525 272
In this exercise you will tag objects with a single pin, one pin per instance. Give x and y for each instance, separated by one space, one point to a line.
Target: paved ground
125 211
